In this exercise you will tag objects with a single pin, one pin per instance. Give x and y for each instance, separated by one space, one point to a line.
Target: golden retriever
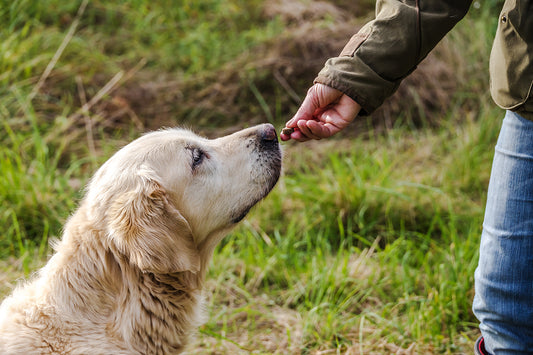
126 276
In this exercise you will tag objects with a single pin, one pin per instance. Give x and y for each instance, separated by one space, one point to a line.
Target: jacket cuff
357 80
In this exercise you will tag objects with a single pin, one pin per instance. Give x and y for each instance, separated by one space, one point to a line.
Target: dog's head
163 196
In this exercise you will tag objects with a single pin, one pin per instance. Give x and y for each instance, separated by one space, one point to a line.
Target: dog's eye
197 157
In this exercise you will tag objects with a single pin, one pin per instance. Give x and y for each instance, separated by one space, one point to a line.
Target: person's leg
504 277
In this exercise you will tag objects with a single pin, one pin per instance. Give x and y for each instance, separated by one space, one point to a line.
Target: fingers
307 130
284 137
324 112
296 135
313 130
318 97
324 125
305 112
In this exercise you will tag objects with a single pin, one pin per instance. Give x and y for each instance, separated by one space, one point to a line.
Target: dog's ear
151 232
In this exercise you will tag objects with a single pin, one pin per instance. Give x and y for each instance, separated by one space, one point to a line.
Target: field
369 242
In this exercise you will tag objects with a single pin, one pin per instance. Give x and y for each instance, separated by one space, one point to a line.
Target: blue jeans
504 277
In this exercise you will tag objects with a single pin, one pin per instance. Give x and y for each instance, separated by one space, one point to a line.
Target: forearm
387 49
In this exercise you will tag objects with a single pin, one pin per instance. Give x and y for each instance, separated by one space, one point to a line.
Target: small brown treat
287 131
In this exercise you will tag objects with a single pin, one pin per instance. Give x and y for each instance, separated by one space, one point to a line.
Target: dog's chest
163 311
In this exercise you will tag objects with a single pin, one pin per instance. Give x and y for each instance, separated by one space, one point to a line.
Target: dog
126 276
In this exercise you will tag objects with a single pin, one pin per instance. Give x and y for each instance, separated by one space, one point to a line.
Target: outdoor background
369 242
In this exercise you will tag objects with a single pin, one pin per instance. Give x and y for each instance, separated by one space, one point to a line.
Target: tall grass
367 244
37 190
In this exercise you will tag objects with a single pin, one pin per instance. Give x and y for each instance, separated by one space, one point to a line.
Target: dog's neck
206 246
157 311
146 312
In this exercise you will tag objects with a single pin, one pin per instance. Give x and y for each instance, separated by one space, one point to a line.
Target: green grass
367 245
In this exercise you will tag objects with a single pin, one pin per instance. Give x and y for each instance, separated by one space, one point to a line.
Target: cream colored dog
127 275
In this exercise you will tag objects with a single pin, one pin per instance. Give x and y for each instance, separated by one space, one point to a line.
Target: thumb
306 110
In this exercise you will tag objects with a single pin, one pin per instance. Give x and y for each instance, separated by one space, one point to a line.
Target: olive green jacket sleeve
511 59
387 49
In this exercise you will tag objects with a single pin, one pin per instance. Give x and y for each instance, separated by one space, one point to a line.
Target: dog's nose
267 132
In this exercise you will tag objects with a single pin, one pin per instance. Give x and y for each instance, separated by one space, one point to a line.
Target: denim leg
504 277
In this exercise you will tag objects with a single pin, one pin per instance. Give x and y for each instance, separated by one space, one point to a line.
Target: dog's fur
127 274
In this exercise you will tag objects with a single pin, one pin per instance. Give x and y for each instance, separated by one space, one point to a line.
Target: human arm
385 51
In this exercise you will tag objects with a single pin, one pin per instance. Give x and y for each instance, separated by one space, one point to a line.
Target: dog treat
287 131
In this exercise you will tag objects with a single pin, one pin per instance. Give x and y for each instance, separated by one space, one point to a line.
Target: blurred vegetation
368 243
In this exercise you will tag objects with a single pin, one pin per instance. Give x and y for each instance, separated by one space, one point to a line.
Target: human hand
324 112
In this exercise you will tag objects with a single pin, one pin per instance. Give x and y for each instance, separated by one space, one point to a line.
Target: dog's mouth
241 216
